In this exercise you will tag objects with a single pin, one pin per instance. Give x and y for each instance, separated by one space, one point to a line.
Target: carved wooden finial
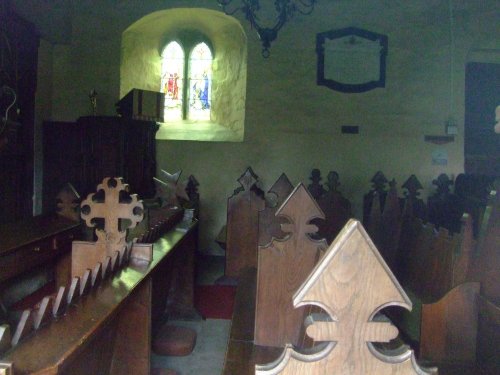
283 266
67 201
315 187
412 185
281 189
247 180
379 182
352 284
300 208
112 209
443 183
333 181
269 224
169 188
120 211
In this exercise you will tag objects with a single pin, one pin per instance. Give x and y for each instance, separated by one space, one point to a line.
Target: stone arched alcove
142 43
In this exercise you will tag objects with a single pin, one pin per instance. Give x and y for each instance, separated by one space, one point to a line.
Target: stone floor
207 357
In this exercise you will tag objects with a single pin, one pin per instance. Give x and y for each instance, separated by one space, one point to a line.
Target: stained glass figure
200 82
172 80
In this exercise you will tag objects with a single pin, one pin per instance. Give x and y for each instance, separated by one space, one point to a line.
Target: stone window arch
219 113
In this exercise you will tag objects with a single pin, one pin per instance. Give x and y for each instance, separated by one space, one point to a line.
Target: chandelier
285 9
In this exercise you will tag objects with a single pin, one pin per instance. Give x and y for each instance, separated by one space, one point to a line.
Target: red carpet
215 301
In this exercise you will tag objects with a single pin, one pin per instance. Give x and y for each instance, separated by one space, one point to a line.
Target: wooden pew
384 225
242 224
434 275
243 355
109 332
106 307
486 269
316 187
269 223
486 261
378 191
473 191
445 209
418 207
283 265
336 208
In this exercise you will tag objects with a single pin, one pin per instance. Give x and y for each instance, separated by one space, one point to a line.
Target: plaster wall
291 124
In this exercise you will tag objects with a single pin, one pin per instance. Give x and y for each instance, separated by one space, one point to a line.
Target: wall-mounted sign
439 157
351 60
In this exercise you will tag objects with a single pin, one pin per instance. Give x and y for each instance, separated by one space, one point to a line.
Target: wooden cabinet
94 147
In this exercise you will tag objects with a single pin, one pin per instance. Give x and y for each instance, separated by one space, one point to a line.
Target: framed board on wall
351 60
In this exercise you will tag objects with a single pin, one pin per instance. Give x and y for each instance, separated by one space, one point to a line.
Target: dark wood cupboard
94 147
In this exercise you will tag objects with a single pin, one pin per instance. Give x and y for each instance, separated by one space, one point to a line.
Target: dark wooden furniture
385 227
336 208
445 209
242 355
316 187
351 282
18 70
243 224
34 242
379 192
283 266
269 223
94 147
110 330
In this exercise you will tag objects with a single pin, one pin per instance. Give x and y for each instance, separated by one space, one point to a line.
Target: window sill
197 131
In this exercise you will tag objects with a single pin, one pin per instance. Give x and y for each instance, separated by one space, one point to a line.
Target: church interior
276 182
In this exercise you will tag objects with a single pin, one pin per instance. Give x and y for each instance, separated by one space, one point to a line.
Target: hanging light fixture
285 9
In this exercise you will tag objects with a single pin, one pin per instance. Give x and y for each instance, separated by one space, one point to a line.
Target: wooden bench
110 330
242 355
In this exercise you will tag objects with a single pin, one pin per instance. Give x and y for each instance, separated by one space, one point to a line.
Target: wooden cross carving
351 284
112 210
111 241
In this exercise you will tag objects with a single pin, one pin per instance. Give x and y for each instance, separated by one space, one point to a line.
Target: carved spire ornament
351 284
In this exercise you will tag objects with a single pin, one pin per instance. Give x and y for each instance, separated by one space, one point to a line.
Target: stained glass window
172 80
200 82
